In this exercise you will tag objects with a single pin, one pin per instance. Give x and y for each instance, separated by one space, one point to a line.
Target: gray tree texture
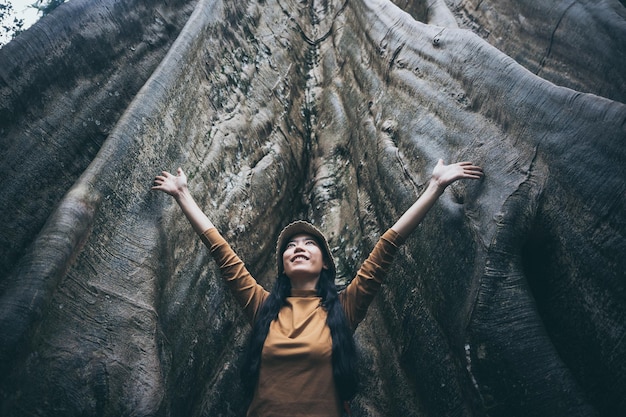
510 298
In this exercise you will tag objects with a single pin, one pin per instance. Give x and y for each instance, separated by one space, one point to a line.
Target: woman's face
303 261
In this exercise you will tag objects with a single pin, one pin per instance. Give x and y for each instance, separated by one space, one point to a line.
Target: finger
475 175
465 164
470 166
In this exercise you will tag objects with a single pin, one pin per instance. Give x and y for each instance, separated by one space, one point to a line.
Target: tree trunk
510 298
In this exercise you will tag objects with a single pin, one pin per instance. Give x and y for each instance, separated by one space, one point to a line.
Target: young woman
301 357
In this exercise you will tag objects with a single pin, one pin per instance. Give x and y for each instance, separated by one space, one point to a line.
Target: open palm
169 183
445 175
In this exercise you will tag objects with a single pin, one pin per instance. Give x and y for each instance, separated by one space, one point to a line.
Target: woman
301 358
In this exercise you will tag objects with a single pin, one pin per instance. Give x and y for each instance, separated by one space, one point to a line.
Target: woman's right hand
173 185
176 186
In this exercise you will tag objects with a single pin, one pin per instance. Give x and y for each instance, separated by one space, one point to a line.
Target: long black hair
344 358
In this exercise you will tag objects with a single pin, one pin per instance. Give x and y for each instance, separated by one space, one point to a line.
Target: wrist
436 187
181 194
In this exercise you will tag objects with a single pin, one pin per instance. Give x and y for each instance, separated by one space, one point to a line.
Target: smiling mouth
295 258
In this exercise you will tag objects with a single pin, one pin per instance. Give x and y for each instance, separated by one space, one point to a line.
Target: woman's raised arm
176 186
442 176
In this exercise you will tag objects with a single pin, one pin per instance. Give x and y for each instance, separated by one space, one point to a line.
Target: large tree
510 299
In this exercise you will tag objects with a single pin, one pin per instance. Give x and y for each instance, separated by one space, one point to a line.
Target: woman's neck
304 283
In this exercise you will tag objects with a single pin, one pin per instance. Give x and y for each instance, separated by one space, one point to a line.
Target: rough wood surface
510 299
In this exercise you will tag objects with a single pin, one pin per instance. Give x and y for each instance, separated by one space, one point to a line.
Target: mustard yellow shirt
296 375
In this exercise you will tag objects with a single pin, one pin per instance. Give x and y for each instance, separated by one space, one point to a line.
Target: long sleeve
358 295
248 293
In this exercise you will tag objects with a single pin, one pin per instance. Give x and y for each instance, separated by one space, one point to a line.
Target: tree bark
509 300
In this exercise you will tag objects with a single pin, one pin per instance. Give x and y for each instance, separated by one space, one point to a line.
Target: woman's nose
299 246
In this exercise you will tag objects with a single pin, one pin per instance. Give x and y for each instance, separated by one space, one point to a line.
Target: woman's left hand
444 175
